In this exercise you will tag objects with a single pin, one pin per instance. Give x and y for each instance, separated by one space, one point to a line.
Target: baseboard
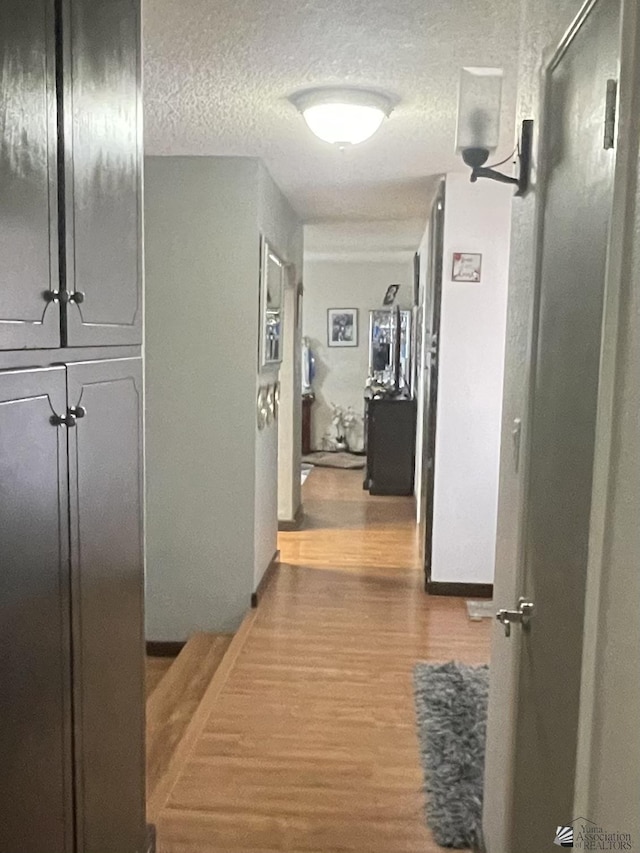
164 649
461 590
294 524
266 580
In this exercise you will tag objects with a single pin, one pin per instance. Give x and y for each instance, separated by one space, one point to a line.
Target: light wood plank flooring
176 697
155 670
310 744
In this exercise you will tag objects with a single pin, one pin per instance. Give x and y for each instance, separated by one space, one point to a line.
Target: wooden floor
155 670
173 702
309 746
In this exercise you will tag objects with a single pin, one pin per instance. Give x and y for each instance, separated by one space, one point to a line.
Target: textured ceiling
351 240
218 74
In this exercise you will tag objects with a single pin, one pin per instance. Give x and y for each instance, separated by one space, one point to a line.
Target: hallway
308 743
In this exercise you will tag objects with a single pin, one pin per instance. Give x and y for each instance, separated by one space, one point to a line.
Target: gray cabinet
35 670
70 238
103 171
71 546
71 562
105 476
28 175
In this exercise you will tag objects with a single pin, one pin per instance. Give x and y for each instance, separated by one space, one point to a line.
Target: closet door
35 713
103 171
28 176
105 474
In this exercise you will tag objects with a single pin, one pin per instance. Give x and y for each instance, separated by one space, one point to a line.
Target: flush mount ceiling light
343 116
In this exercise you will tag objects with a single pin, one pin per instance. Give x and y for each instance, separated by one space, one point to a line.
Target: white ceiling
355 240
218 73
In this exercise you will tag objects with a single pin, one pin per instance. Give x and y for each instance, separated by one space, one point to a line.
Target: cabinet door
105 474
392 446
103 171
28 175
35 712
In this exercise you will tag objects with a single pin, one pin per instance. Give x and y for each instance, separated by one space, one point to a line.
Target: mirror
382 346
272 271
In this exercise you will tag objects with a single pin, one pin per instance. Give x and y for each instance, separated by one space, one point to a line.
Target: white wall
471 369
278 474
341 372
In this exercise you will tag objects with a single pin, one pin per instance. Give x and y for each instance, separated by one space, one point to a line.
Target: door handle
520 616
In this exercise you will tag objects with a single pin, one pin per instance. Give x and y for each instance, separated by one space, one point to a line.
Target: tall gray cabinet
71 546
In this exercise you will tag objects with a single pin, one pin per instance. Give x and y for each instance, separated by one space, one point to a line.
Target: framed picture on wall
342 327
272 274
467 266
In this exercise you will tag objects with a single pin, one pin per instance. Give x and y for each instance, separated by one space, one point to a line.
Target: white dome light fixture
343 116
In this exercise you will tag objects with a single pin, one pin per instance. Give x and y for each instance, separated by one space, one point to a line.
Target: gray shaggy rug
451 709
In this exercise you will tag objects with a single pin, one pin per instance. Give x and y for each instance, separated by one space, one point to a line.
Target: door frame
430 409
618 285
290 406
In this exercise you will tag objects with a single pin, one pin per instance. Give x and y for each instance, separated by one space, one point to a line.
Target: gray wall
201 251
212 476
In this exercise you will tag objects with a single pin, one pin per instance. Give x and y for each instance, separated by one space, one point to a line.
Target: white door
535 672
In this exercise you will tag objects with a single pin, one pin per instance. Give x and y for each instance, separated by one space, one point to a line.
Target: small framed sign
467 266
342 327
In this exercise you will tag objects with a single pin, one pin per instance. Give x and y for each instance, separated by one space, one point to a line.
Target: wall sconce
478 131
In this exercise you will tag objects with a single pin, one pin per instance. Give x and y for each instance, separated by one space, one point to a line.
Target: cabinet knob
61 296
77 411
77 296
67 420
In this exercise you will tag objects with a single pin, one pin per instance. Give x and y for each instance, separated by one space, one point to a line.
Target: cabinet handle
77 296
61 296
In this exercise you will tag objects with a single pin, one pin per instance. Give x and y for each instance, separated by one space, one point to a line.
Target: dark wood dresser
390 444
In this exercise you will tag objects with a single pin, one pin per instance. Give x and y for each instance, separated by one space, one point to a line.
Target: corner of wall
470 382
